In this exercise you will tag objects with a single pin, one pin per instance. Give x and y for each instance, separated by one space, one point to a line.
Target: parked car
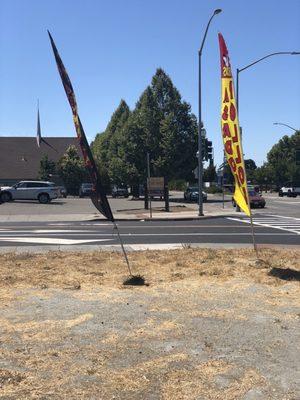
119 192
192 194
85 189
256 200
290 189
42 191
194 197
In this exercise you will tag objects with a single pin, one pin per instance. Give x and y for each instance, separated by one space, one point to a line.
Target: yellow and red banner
231 131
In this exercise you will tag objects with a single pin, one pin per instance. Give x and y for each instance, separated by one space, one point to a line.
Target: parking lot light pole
200 162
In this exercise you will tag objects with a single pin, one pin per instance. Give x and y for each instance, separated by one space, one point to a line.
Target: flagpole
253 236
251 218
123 248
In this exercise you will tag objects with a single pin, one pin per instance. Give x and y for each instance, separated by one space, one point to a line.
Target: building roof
20 156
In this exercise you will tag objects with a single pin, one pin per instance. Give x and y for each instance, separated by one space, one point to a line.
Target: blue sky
111 49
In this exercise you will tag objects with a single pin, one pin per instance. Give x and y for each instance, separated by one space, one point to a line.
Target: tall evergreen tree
72 170
163 125
47 168
108 148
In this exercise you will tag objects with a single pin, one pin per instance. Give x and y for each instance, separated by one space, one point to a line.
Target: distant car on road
290 190
192 194
42 191
85 189
119 192
256 200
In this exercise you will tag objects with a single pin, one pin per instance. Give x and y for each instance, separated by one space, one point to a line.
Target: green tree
210 174
47 168
72 171
250 167
264 175
163 125
282 159
108 148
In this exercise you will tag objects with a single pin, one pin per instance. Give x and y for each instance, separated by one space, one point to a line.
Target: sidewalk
135 215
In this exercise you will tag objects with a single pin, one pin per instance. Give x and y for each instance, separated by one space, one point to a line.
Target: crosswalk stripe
289 224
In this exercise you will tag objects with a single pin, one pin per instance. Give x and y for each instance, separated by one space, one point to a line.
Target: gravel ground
210 324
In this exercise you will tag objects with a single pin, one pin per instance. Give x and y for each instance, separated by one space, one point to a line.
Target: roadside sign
156 183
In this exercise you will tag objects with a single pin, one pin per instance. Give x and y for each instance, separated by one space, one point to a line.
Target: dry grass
49 356
75 270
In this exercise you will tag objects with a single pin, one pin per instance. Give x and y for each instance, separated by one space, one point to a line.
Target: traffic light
204 153
209 150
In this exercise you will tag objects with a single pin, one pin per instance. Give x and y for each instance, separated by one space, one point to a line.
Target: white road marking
57 241
286 202
284 216
56 231
289 224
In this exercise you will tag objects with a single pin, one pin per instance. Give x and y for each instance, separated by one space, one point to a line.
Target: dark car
119 192
192 194
194 197
85 189
256 200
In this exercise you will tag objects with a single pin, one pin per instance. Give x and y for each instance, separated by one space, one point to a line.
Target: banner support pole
253 235
123 248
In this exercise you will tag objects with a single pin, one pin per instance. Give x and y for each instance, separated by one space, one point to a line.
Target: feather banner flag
231 131
98 195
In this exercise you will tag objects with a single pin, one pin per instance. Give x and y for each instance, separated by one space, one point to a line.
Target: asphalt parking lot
74 205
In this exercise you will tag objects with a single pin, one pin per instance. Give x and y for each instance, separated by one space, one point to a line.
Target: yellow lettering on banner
232 141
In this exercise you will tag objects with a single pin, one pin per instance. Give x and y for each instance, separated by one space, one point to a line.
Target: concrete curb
89 217
137 247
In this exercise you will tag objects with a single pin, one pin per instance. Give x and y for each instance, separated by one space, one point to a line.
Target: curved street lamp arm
293 53
281 123
206 30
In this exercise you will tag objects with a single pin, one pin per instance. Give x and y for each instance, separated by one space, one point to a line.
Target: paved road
223 230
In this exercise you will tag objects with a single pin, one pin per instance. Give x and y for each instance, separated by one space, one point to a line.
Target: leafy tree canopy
161 124
47 168
282 159
72 170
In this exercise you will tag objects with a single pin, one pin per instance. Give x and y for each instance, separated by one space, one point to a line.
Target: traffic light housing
209 150
204 156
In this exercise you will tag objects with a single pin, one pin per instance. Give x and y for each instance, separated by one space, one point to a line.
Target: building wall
20 156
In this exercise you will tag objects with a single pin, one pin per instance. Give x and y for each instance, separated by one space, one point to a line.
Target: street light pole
238 70
200 162
291 53
281 123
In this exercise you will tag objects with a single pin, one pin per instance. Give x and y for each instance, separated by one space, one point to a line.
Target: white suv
44 192
290 190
